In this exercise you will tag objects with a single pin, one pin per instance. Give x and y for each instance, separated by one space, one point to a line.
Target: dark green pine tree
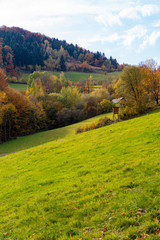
62 63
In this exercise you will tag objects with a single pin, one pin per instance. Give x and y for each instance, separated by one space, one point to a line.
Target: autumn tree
36 88
100 94
51 107
69 97
80 85
9 56
131 87
105 106
107 65
50 63
40 83
3 80
63 56
151 79
110 87
89 57
8 115
85 67
30 114
90 107
89 84
64 81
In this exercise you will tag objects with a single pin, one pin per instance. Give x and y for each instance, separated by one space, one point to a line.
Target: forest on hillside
50 101
27 51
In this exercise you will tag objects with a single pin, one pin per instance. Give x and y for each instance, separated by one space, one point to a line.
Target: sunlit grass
46 136
101 184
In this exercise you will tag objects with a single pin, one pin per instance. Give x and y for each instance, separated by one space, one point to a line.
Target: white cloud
134 33
137 12
126 38
108 13
150 40
108 19
148 10
157 23
98 38
130 13
39 8
44 24
109 16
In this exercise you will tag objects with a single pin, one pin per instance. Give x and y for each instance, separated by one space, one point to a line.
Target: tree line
49 102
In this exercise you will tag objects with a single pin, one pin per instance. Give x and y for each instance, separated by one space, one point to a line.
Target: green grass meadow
45 136
18 86
76 76
101 184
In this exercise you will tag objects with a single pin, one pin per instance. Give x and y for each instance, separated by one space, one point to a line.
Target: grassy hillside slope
102 184
36 139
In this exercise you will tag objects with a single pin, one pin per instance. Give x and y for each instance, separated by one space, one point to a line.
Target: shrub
127 112
101 123
86 128
69 116
90 107
106 106
12 79
78 130
92 125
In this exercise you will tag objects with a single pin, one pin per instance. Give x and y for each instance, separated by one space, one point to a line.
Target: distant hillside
23 50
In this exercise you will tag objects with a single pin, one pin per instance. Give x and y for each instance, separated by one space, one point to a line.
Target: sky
128 30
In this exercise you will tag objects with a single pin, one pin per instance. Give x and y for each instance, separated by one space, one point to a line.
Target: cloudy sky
128 30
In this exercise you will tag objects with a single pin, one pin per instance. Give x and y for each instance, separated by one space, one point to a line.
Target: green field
45 136
76 76
18 86
102 184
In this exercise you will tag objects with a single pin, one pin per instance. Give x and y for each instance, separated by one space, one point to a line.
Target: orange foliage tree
3 80
151 82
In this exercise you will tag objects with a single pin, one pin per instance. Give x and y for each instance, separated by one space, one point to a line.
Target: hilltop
23 50
102 184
